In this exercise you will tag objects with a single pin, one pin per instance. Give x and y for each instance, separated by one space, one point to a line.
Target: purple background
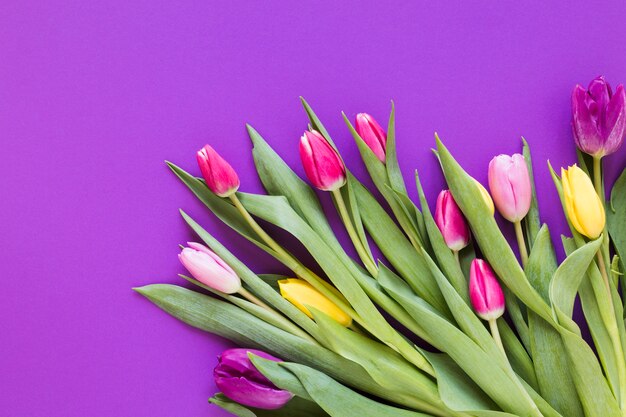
95 95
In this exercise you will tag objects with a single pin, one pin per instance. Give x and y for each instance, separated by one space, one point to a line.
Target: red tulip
485 291
220 177
451 222
322 163
372 134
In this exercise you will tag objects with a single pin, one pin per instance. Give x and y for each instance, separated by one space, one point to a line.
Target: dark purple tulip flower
240 381
599 117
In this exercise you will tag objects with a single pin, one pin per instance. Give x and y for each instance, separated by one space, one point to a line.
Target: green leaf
297 407
531 221
340 401
616 216
396 181
570 274
382 363
541 263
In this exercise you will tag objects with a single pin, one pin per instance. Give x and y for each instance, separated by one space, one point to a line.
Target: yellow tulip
584 208
486 197
301 294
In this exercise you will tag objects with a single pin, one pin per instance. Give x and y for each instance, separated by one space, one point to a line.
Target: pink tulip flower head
372 134
322 163
509 183
237 378
451 222
220 177
209 269
485 292
599 117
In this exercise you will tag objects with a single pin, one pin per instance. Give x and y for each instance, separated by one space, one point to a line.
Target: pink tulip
220 177
209 269
322 163
451 222
372 134
510 186
485 291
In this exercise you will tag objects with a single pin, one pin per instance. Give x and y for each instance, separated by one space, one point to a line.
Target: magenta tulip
485 291
220 177
239 380
509 183
372 134
451 222
322 163
599 117
209 269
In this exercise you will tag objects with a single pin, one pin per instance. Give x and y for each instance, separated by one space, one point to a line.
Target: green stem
356 241
597 177
495 333
519 234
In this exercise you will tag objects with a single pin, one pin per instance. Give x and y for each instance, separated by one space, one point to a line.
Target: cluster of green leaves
548 370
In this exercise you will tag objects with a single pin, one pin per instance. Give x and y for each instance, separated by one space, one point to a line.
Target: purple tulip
239 380
599 118
321 162
372 134
509 184
485 292
451 222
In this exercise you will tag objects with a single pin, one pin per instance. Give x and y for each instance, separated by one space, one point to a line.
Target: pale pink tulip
209 269
510 186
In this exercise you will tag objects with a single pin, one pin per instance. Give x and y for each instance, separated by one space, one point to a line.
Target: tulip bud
510 186
209 269
599 117
322 163
486 197
220 177
451 222
582 204
485 292
372 134
238 379
301 294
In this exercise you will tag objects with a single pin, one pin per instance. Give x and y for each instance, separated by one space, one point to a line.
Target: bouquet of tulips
422 332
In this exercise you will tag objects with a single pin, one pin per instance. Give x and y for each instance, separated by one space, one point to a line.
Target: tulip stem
253 299
358 245
519 234
495 333
597 177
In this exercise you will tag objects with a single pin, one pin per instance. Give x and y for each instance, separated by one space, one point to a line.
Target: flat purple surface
95 95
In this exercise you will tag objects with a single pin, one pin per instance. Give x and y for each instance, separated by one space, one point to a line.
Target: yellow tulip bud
301 294
486 197
584 208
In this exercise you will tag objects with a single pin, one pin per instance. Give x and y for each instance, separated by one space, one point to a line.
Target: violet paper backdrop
94 96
